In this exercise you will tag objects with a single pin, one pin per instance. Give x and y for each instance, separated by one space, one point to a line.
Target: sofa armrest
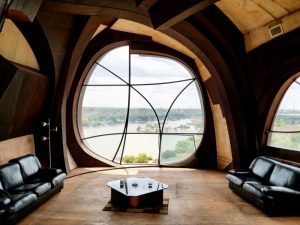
240 172
4 199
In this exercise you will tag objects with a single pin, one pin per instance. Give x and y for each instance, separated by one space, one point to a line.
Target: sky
144 69
291 99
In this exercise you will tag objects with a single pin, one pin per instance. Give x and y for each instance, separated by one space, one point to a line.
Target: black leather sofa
24 185
268 184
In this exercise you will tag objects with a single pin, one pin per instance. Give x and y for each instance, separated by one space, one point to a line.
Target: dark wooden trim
279 153
39 44
23 10
94 49
274 106
229 42
271 68
75 55
221 86
165 13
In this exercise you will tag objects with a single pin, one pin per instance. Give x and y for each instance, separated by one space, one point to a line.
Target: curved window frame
135 50
282 93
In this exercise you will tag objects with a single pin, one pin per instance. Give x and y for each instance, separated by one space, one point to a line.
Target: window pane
288 115
141 148
98 75
285 140
156 69
161 96
175 148
186 115
103 111
117 61
105 147
141 116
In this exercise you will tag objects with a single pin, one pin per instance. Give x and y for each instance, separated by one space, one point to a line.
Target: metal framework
161 126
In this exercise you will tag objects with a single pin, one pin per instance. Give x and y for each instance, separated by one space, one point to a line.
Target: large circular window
140 108
285 130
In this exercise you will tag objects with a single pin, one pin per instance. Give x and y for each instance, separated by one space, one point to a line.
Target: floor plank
197 197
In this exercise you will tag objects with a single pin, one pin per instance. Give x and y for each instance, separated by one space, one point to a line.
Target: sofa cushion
239 180
37 188
256 189
10 176
29 164
286 176
262 167
20 201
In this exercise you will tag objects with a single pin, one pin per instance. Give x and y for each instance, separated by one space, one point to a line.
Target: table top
136 186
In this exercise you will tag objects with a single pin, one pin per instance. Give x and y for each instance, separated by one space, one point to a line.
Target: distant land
95 116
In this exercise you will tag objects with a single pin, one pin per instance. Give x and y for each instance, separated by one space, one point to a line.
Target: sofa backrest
286 176
29 164
11 176
262 167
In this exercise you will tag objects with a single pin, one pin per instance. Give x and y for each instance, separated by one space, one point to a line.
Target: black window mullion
128 105
162 130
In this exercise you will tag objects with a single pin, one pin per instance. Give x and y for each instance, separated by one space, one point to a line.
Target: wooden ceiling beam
166 13
24 10
138 2
85 8
129 5
145 4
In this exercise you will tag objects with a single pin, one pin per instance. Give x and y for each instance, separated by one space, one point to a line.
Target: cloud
144 69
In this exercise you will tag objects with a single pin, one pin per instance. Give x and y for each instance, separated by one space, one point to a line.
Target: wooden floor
196 197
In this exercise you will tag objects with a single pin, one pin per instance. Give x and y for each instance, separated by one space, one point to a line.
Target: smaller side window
285 130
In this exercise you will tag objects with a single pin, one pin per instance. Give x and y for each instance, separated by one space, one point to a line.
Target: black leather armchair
24 185
269 184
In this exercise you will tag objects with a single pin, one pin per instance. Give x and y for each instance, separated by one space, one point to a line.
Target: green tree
168 154
128 159
140 158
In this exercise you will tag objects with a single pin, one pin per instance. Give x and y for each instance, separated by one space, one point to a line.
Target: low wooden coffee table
137 192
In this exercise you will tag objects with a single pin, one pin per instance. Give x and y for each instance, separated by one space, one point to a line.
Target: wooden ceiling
252 17
252 14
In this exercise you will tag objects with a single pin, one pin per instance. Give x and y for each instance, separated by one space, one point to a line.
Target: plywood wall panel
14 47
224 153
16 147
